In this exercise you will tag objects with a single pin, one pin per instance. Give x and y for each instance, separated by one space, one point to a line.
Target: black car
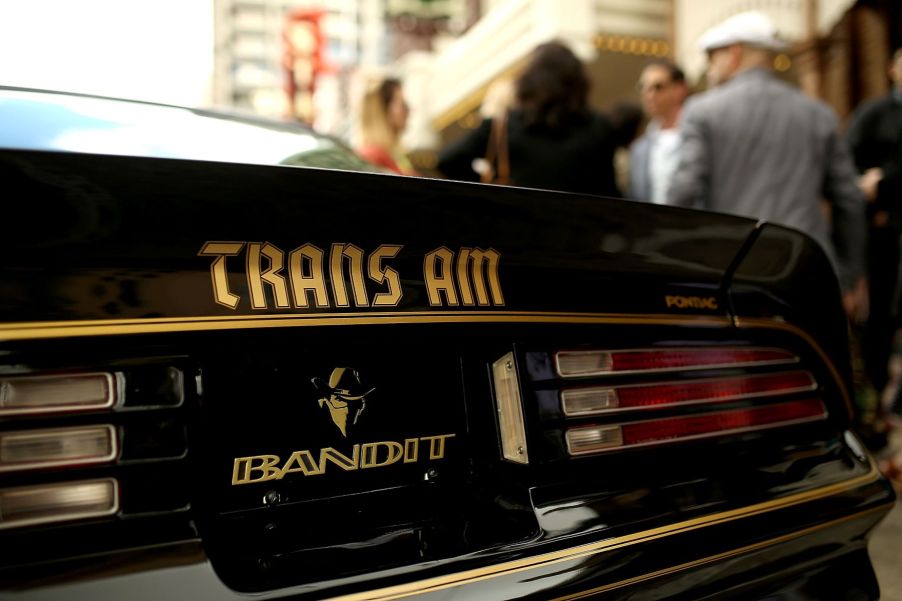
225 380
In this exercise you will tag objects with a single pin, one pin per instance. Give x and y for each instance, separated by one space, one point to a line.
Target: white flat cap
752 27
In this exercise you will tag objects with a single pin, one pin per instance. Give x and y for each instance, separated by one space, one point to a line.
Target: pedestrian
875 137
627 119
654 155
758 147
549 138
383 118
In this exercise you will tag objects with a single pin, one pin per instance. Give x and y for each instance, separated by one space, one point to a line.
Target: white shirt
663 159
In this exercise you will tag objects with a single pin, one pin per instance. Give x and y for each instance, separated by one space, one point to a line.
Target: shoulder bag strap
496 152
504 168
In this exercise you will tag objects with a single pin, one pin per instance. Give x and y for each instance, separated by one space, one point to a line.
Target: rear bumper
802 547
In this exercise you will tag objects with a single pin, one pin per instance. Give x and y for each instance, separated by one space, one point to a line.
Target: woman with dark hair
549 138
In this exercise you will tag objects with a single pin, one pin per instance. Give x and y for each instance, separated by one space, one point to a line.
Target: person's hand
868 181
880 219
856 302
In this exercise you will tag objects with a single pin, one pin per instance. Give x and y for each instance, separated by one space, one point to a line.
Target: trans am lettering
345 276
263 468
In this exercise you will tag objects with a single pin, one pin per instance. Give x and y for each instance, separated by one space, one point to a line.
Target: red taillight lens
596 400
682 427
594 439
573 364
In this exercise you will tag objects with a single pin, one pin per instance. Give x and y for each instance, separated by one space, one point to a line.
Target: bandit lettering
370 455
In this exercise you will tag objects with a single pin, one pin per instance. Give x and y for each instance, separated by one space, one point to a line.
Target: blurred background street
307 59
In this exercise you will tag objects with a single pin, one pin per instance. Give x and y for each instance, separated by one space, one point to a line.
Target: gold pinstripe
546 559
725 555
111 327
108 327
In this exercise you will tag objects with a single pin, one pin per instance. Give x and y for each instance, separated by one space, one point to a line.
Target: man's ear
319 383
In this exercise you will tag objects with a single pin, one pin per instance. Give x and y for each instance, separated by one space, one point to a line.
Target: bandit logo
344 397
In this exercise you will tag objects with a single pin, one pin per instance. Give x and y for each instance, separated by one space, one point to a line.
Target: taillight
609 399
584 363
51 399
33 449
58 393
593 439
30 505
67 451
620 401
510 410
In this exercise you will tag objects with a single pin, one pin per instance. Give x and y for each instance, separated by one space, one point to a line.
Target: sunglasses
658 86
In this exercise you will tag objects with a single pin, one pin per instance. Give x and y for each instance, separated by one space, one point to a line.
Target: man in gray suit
757 147
654 155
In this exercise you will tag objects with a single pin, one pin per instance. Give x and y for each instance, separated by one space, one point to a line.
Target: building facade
834 43
449 52
254 65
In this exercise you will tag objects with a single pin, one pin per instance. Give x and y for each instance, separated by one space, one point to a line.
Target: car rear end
225 381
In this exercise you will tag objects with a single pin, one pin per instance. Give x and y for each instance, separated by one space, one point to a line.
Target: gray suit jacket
757 147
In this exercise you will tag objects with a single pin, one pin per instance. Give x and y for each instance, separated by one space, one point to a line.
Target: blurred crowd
750 144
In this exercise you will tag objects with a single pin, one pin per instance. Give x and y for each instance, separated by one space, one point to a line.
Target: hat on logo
753 28
344 383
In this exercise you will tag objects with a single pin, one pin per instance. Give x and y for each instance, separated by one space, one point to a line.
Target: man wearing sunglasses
653 156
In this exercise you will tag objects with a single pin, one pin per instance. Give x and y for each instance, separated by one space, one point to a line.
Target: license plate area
317 419
322 459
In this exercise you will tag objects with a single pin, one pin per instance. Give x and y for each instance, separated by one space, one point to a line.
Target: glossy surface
249 465
38 120
120 237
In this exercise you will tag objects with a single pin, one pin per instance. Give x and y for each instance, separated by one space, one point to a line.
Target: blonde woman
383 117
